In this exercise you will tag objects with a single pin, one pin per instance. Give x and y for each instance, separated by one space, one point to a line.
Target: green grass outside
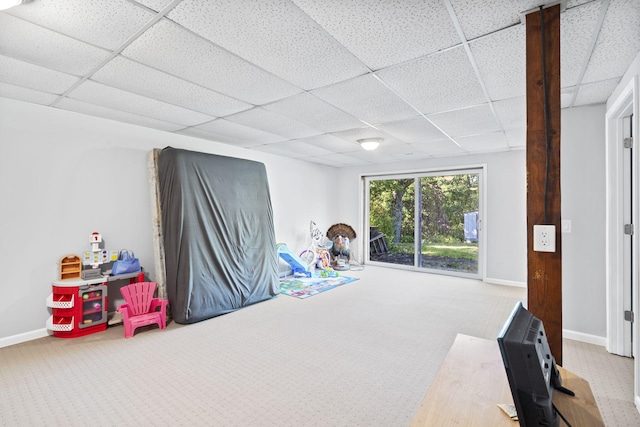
447 250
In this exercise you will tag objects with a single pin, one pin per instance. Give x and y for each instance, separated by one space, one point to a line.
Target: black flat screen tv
531 368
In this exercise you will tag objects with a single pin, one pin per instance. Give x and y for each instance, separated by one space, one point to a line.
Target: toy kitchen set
79 298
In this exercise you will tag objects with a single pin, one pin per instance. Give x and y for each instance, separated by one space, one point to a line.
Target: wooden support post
156 223
544 275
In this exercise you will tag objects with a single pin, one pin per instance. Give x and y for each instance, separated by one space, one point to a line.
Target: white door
630 257
623 252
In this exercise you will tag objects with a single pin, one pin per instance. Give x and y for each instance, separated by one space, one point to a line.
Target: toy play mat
305 287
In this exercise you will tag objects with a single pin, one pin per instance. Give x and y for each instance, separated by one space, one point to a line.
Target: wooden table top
472 381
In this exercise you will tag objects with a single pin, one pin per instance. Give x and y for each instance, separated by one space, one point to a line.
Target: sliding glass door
427 221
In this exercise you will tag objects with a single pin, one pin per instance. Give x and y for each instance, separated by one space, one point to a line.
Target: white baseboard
505 282
637 401
582 337
24 337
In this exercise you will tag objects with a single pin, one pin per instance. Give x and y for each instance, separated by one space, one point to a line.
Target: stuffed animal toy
340 234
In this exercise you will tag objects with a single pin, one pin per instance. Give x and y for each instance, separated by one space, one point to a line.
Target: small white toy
95 239
97 256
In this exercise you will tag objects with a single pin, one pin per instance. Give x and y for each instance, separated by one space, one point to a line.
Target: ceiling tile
467 121
118 99
36 45
416 129
566 96
115 114
137 78
383 33
618 42
367 99
331 143
240 132
309 109
512 113
305 148
517 137
323 162
596 93
384 150
295 149
576 26
186 77
440 82
268 121
336 160
439 148
195 59
380 155
354 135
211 136
27 95
156 5
273 34
104 23
279 149
574 3
485 142
33 76
409 156
504 13
502 62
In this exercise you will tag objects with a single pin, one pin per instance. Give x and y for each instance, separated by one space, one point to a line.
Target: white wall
64 175
583 200
505 222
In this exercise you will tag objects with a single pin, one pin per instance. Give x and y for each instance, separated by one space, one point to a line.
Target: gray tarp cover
219 240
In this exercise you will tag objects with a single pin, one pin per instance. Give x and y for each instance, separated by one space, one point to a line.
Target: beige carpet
611 380
361 354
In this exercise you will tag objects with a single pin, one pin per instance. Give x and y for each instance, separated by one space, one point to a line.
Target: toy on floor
329 272
141 308
298 266
317 254
324 259
340 234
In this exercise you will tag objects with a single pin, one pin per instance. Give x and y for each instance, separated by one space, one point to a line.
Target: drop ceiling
307 78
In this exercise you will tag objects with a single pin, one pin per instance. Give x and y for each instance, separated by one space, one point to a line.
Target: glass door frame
480 170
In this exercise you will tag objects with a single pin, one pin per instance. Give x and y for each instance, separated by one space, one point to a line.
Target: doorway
622 223
427 221
622 250
630 252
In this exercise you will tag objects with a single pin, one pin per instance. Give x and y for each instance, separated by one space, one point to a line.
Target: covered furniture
218 233
141 308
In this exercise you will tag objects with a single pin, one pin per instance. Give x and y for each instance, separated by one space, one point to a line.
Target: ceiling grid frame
474 65
117 51
592 44
402 76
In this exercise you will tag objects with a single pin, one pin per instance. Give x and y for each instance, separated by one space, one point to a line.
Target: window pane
392 219
448 223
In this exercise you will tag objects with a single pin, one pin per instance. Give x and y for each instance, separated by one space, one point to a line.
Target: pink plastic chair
141 307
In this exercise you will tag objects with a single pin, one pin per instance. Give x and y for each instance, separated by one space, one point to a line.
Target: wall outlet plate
544 238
